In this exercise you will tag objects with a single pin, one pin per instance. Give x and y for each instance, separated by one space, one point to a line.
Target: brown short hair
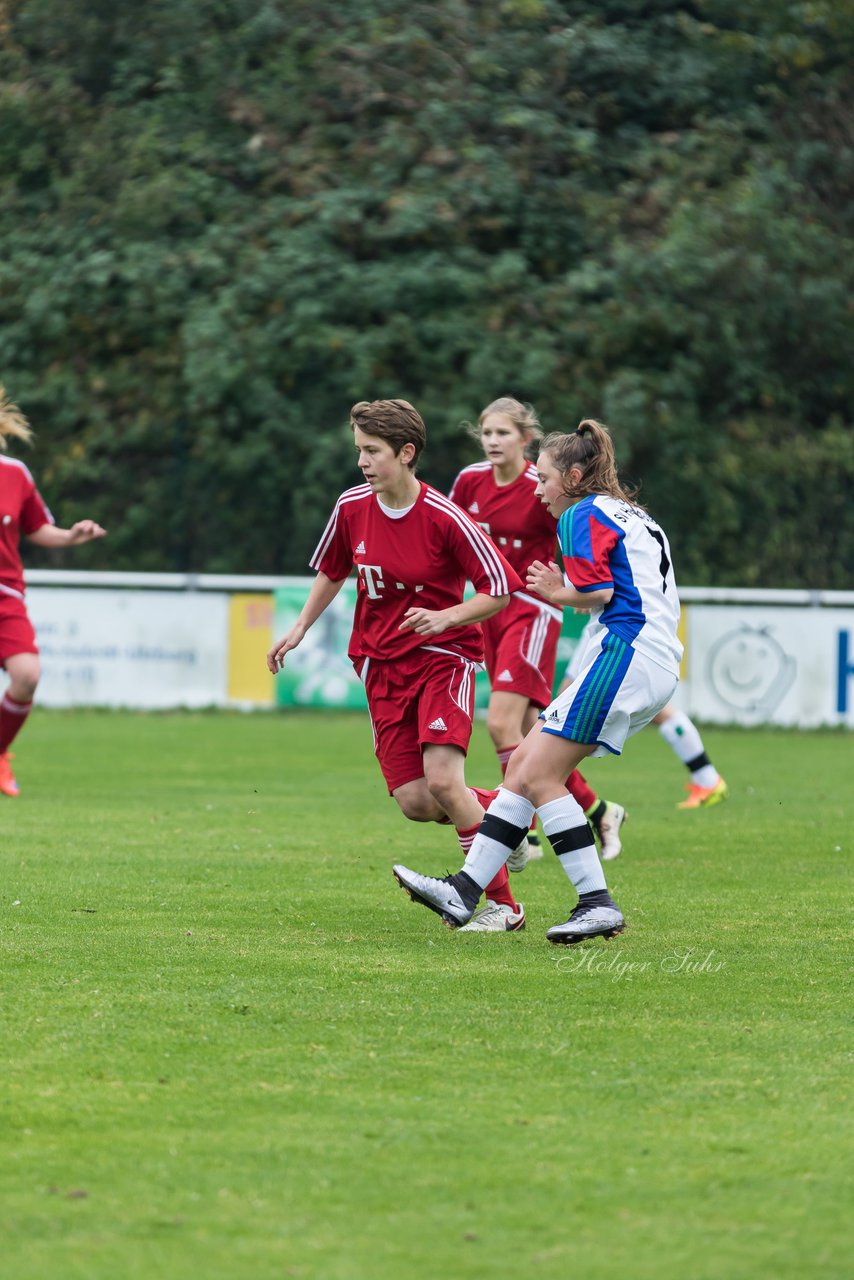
396 421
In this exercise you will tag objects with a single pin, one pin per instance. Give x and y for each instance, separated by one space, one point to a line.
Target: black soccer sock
468 889
596 815
596 898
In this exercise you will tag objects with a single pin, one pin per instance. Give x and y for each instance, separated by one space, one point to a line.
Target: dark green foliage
223 222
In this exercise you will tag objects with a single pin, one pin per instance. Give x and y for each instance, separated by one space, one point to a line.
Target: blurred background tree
224 221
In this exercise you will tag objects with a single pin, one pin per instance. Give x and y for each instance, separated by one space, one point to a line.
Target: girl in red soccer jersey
22 511
521 642
414 641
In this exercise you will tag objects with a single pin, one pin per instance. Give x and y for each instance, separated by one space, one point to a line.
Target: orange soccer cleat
8 785
702 797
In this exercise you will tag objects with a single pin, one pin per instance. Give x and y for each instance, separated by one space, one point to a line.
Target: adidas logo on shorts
553 717
438 726
506 675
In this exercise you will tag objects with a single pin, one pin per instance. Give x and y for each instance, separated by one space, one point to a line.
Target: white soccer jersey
607 542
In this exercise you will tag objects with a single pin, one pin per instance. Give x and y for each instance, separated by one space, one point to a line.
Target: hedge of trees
224 221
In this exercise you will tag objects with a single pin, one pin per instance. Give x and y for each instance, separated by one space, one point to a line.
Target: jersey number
664 563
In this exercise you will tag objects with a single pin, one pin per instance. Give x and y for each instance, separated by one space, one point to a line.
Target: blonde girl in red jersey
415 643
521 642
22 511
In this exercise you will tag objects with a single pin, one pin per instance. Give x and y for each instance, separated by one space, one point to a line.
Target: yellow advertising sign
250 635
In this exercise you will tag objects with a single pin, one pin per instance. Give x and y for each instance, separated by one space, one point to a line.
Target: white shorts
617 693
581 652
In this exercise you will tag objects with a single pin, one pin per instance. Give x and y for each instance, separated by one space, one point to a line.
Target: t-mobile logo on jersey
372 576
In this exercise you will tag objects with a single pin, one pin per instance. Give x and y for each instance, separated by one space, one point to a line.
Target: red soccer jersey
22 510
518 523
419 560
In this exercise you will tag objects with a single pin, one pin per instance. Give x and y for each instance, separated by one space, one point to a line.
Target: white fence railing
155 640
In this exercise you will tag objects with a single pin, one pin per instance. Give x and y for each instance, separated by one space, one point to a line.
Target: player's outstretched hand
84 531
545 579
276 656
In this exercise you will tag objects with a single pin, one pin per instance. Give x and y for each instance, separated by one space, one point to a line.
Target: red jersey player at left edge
414 642
22 511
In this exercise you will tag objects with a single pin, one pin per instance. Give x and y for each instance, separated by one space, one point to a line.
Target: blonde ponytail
12 421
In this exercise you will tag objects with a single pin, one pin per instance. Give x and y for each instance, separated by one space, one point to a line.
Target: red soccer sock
12 717
580 791
498 890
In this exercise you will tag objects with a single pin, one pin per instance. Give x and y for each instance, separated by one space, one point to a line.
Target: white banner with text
147 649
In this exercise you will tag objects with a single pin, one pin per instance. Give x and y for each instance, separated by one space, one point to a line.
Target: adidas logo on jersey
474 509
360 550
506 675
438 726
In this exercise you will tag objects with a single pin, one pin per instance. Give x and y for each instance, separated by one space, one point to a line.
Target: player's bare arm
49 535
547 581
323 592
432 622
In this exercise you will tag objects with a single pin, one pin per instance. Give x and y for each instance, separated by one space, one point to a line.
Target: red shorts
521 650
16 630
426 698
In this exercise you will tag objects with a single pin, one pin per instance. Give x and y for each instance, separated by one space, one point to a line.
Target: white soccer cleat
588 921
495 917
440 896
608 831
518 859
535 846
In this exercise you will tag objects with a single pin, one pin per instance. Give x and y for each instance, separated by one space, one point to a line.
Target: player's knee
418 807
528 789
500 731
442 792
23 684
523 781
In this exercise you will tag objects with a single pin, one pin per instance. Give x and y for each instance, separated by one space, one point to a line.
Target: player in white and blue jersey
617 564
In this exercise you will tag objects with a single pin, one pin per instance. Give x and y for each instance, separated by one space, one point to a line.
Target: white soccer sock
683 737
507 818
571 838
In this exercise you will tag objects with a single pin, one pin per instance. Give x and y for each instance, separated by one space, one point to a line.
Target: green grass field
233 1048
